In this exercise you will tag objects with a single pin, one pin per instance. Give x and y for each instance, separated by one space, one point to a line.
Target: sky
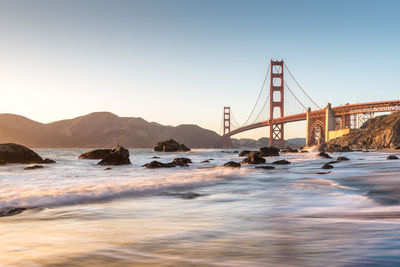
181 62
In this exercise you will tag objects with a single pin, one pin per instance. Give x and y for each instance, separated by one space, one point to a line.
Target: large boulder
269 151
14 153
182 162
170 145
96 154
118 156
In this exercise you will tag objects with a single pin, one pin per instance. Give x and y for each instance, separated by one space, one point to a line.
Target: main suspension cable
301 86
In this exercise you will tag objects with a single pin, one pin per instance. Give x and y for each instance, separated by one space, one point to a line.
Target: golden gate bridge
322 124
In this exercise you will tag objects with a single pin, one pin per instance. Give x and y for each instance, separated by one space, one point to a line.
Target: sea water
78 214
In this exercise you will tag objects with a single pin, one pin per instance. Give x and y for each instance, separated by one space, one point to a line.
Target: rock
331 147
253 158
391 157
333 162
14 153
156 164
265 167
10 212
118 156
34 167
155 157
304 151
182 162
397 147
48 161
270 151
281 162
327 166
232 164
205 161
96 154
289 150
107 169
342 159
322 172
244 153
210 159
235 152
324 155
189 195
170 145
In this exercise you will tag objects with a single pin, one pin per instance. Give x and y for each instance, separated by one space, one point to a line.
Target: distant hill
105 129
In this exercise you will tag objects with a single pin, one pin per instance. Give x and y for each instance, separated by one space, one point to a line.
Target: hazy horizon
180 62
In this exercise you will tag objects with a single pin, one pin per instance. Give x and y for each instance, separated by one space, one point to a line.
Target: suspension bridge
322 124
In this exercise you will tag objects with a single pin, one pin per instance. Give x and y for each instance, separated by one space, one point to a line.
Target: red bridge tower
227 127
276 133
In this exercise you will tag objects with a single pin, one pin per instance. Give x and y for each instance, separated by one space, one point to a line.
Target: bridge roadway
368 107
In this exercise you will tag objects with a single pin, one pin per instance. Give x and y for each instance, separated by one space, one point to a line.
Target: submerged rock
244 153
331 147
327 166
324 155
170 145
265 167
323 172
96 154
253 158
11 212
232 164
155 157
289 150
34 167
14 153
118 156
342 159
48 161
269 151
107 169
205 161
156 164
281 162
182 162
391 157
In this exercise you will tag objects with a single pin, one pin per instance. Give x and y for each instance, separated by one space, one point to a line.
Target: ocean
78 214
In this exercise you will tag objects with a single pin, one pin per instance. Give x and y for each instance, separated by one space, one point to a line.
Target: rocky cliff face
380 132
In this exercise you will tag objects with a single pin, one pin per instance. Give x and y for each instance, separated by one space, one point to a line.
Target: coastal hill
105 129
377 133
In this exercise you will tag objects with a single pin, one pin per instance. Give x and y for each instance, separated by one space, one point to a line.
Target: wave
105 188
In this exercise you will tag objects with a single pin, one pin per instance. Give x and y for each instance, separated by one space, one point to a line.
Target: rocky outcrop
96 154
377 133
232 164
118 156
170 145
14 153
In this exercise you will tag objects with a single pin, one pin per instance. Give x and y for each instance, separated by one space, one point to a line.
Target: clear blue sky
178 62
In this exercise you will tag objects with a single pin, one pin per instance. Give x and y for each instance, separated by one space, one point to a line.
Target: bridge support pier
276 131
329 121
227 128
